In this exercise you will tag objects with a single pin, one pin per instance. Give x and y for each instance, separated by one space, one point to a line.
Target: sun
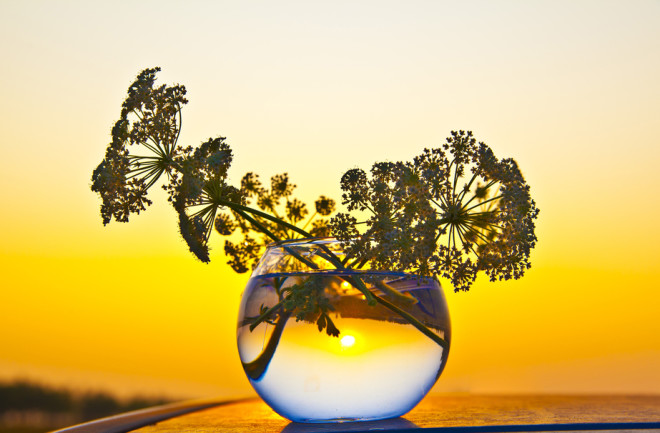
347 341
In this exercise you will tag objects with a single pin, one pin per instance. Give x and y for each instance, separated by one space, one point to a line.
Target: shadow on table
386 424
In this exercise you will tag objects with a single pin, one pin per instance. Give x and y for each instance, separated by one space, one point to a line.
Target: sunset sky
570 89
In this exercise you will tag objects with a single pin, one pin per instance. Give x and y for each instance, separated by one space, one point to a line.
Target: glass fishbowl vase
321 341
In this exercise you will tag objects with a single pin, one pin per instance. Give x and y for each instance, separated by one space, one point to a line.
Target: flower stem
237 206
466 189
256 368
263 316
309 220
257 224
488 185
267 232
388 290
413 321
481 203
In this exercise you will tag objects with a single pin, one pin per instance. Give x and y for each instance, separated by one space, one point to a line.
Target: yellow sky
570 90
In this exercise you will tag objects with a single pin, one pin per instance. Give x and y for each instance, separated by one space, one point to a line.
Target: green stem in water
413 321
388 290
392 307
265 315
256 368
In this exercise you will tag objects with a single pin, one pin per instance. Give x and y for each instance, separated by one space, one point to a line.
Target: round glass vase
317 350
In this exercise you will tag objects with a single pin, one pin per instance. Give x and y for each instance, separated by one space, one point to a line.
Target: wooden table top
437 413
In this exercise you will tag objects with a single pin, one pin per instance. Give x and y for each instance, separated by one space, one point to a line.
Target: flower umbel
144 148
452 212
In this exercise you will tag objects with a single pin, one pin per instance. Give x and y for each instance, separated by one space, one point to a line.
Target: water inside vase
379 366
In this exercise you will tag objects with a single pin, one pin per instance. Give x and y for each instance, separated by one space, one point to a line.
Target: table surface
441 413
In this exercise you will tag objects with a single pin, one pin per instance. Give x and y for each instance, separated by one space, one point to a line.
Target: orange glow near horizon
314 91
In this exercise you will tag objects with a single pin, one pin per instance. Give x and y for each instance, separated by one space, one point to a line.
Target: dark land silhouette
29 407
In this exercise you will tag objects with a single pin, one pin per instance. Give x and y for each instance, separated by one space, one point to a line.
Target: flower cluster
450 212
150 120
279 215
144 147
